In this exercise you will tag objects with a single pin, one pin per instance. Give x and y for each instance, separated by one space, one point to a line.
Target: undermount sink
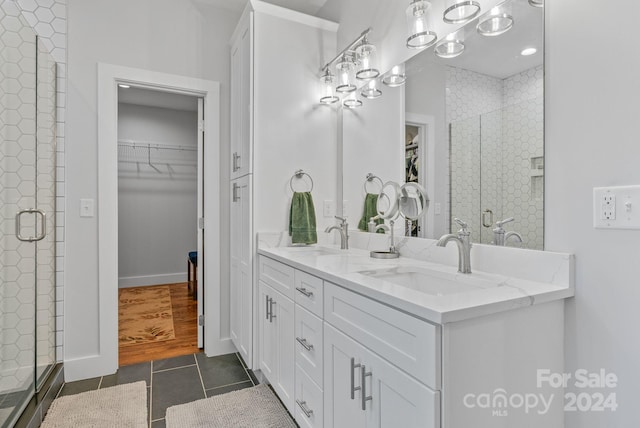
429 281
313 251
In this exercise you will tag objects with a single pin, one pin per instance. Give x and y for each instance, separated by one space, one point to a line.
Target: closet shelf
154 145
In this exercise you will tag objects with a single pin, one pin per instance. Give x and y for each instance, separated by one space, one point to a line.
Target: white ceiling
310 7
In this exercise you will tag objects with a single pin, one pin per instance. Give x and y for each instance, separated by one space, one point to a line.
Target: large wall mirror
468 127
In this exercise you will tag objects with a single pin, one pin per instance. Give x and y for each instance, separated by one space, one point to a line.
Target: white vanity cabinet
276 55
277 342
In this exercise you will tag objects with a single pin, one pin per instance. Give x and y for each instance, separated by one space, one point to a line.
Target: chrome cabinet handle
304 343
236 162
43 225
486 223
271 316
354 388
236 197
304 291
303 405
267 299
363 377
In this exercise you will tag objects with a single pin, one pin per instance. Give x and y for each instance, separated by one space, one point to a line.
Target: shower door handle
43 225
486 223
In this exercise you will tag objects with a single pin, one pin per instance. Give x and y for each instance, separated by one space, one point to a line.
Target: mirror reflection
469 122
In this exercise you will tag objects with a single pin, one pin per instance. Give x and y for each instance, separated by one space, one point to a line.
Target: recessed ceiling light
123 86
528 51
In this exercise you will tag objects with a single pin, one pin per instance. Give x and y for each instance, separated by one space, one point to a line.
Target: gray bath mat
117 406
255 407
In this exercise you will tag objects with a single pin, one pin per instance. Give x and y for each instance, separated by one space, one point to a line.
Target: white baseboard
89 367
139 281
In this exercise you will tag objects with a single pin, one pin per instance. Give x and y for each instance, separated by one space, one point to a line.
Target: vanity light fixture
395 77
370 90
123 86
528 51
450 47
460 12
536 3
345 69
367 61
419 34
351 101
327 83
499 21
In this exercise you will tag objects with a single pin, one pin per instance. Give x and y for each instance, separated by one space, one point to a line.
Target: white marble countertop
489 292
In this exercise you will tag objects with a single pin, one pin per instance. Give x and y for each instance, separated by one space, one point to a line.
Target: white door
267 333
241 285
241 104
200 223
285 351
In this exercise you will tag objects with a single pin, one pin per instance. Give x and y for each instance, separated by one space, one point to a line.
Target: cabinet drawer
411 344
308 344
309 401
277 275
309 292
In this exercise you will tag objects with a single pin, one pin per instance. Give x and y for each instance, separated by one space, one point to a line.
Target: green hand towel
302 219
370 210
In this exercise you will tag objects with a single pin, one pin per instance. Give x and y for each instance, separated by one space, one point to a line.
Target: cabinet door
268 338
241 101
241 287
283 309
341 406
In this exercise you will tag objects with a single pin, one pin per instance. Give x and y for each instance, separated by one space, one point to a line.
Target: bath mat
255 407
145 315
118 406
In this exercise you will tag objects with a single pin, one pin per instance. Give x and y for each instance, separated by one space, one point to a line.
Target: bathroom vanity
348 341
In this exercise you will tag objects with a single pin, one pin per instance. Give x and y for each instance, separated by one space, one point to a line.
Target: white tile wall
509 115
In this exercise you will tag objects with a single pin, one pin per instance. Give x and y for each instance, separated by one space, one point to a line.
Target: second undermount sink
430 281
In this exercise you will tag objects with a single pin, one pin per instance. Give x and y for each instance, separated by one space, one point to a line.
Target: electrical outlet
328 209
614 207
608 206
438 208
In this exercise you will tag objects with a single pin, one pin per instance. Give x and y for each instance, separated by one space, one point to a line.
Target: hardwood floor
185 313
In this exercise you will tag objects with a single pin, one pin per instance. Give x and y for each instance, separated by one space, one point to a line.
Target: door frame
426 174
109 76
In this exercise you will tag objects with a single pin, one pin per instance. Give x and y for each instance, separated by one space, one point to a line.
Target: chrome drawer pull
304 291
304 343
363 377
303 405
354 388
268 306
271 316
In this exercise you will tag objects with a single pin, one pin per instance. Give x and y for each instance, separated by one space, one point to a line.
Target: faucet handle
464 227
343 220
505 221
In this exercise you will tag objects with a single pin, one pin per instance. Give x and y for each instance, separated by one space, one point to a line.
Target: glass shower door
27 215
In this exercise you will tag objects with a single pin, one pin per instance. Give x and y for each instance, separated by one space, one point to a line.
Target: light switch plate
616 207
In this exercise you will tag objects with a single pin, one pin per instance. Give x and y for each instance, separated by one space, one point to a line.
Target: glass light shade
327 82
351 101
370 90
419 34
449 48
395 77
345 70
367 61
497 22
536 3
460 12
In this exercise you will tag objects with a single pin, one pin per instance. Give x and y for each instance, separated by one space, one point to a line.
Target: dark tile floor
176 380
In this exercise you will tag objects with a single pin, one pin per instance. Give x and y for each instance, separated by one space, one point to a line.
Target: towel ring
299 174
370 178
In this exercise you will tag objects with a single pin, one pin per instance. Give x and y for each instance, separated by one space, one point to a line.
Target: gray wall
157 209
181 37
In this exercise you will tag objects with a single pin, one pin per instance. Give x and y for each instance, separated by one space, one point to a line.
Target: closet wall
157 194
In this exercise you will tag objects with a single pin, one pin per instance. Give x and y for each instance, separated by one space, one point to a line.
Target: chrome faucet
463 240
500 237
343 228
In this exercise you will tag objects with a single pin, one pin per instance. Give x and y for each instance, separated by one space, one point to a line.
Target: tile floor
176 380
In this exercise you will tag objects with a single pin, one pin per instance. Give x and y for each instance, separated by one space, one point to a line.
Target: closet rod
150 145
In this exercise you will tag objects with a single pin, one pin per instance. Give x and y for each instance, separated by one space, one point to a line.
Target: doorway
157 215
214 303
